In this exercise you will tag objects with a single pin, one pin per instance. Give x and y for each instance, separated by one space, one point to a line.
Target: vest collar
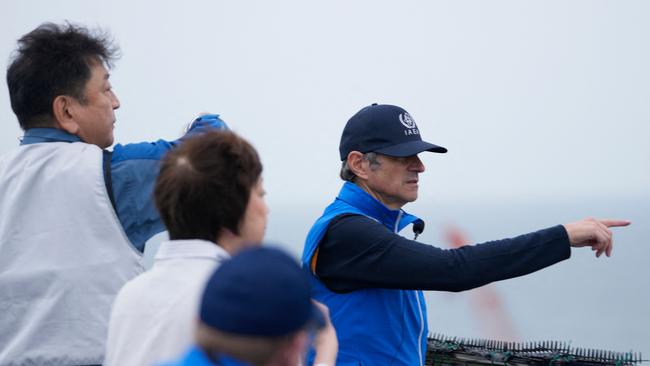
355 196
37 135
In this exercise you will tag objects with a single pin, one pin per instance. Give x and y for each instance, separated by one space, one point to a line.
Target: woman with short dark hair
211 198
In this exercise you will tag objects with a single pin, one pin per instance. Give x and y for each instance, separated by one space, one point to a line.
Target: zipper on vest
417 297
399 217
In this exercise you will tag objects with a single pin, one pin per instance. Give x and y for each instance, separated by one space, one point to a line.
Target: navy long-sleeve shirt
358 252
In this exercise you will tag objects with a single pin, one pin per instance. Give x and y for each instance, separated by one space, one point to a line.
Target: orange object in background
487 307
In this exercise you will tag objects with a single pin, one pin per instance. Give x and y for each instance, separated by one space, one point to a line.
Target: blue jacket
374 326
130 172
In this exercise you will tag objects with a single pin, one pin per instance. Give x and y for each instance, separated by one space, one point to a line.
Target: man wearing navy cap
256 309
372 279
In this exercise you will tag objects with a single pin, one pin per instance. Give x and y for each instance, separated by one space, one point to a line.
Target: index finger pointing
615 223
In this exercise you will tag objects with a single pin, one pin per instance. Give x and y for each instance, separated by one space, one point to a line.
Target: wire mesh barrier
443 351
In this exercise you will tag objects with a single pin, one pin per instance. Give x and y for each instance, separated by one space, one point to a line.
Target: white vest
63 255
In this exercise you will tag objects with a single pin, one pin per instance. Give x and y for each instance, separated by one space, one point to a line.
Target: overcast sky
532 98
537 101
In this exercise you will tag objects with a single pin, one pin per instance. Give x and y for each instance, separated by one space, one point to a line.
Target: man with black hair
75 216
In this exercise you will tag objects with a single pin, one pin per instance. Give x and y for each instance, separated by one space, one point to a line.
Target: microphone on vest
418 228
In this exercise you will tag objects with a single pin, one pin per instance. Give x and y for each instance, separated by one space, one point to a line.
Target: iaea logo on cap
406 120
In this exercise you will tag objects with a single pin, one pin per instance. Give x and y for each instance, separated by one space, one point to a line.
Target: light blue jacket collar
37 135
355 196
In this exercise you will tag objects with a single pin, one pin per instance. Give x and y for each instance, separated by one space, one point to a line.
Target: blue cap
259 292
205 122
384 129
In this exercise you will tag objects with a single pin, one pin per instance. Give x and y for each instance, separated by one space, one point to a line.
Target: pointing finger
615 223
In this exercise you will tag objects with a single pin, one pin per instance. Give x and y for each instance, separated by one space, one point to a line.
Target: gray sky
532 99
537 101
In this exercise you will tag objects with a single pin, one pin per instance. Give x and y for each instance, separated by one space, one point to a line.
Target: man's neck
376 195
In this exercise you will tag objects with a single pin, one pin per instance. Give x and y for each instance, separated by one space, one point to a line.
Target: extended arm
358 252
134 168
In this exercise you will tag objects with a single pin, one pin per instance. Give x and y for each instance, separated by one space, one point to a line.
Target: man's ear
63 108
358 165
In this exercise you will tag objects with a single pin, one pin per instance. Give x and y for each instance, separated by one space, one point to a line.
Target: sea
586 302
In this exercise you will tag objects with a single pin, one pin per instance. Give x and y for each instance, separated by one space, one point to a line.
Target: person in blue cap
371 278
75 214
256 310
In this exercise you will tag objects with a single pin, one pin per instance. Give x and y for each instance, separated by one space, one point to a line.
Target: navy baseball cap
384 129
259 292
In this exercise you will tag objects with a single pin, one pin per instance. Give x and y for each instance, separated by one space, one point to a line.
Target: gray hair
346 173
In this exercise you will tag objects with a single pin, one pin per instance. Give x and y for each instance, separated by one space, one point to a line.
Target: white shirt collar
193 248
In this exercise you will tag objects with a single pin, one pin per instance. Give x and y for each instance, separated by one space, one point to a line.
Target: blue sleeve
358 252
134 169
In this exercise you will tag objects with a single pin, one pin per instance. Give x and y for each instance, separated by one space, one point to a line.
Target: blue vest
374 326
